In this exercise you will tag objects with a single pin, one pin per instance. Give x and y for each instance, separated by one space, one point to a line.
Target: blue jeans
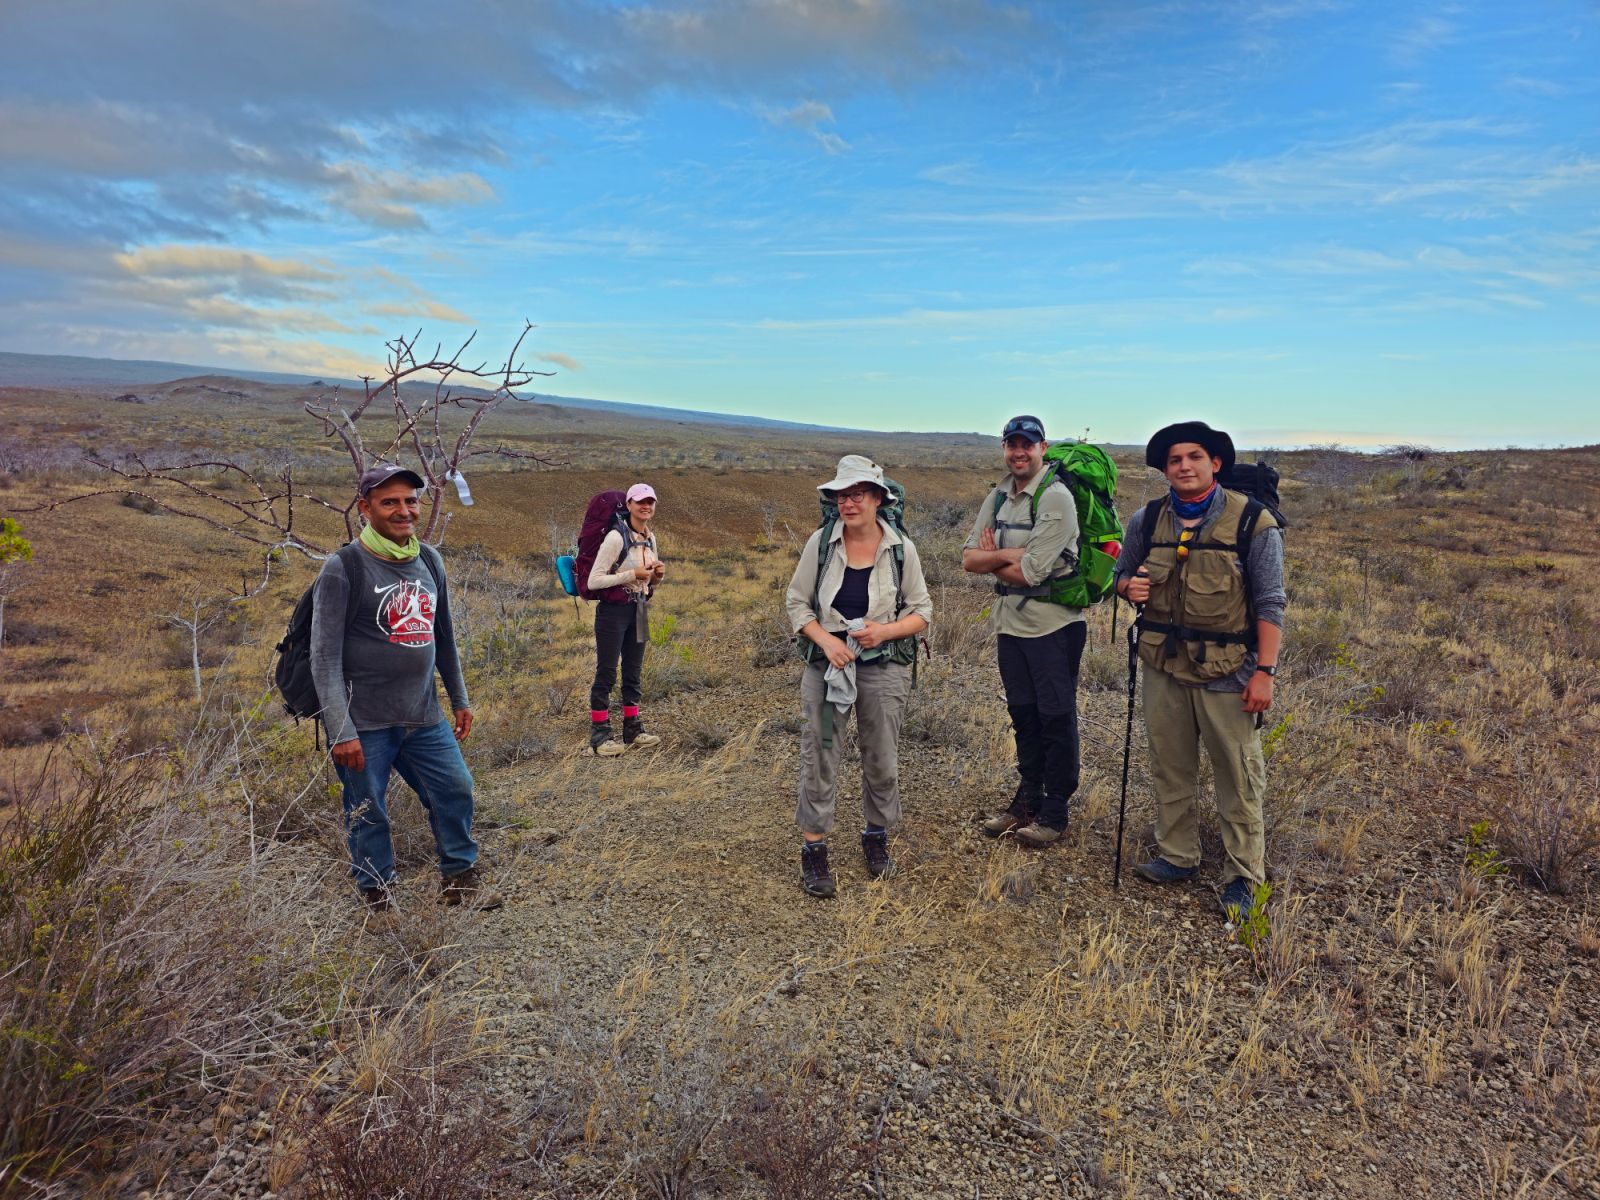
430 761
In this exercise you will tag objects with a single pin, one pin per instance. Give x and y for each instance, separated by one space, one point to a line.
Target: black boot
875 845
814 874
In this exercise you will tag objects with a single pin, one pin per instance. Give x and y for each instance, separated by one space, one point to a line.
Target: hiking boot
814 874
601 743
633 733
377 900
875 845
1039 836
1159 870
467 890
1236 900
1023 804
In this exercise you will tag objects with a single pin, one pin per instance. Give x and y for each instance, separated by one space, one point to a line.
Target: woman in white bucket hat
858 602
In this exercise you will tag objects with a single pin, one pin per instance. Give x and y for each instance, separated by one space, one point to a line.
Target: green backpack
902 650
1091 477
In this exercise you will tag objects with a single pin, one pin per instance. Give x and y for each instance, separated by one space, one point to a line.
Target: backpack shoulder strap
435 565
1247 530
1052 475
1152 513
824 552
349 556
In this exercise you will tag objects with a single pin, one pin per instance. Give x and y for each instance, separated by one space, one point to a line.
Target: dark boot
466 889
1023 805
814 874
875 845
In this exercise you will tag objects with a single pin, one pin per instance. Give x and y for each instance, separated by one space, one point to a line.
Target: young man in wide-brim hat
1205 565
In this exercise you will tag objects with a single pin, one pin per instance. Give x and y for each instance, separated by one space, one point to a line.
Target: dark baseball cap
379 475
1029 427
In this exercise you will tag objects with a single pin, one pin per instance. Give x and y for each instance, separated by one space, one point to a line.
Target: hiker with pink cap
626 570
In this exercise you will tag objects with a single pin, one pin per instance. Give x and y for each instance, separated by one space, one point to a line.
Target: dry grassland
192 1005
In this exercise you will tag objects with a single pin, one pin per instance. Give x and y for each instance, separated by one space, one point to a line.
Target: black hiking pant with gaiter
616 637
1041 681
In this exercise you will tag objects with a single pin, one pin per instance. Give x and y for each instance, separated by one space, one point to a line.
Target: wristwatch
1266 670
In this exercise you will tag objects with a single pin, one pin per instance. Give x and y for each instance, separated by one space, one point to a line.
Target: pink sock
599 716
630 711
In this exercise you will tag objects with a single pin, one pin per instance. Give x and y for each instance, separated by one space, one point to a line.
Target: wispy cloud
810 116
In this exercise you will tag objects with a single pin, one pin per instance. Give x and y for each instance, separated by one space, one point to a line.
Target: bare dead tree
388 423
202 616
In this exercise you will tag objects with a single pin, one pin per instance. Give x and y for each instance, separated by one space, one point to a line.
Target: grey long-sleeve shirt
1267 594
378 670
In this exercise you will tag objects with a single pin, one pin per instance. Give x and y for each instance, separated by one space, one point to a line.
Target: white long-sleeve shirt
614 568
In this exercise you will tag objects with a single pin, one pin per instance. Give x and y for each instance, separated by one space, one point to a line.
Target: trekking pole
1127 742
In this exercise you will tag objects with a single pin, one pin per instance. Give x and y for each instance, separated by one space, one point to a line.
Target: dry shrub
670 1118
137 952
1550 827
429 1142
798 1148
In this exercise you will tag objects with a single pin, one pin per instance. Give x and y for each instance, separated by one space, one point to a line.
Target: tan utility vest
1197 625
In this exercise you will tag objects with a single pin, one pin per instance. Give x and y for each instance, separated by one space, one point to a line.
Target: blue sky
1303 220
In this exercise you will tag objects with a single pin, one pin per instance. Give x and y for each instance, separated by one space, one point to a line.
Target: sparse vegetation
657 1012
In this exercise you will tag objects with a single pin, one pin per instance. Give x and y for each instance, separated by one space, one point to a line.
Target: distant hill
116 374
72 371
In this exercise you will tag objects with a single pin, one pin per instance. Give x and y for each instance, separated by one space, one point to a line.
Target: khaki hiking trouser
881 695
1178 718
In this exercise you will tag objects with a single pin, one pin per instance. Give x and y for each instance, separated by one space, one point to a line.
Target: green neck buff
384 548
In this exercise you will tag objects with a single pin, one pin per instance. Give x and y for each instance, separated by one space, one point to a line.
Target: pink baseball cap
641 491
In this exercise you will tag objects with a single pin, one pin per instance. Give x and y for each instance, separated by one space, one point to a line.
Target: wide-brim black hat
1216 443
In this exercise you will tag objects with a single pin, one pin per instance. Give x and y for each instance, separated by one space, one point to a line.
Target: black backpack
1259 482
292 675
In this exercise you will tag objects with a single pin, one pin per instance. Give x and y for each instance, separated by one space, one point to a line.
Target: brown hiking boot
1039 836
814 874
1023 805
875 846
1002 823
377 900
467 890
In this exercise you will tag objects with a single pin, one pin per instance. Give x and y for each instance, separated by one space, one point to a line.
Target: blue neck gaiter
1190 509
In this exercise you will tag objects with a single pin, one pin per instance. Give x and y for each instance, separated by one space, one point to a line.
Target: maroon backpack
607 511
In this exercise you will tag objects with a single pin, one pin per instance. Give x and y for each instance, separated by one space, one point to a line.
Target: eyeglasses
853 496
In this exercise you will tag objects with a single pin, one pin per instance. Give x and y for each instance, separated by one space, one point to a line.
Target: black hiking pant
1041 681
616 637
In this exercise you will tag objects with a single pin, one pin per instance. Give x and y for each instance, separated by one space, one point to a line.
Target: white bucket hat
857 468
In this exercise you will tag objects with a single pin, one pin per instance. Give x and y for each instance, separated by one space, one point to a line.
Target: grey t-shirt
378 670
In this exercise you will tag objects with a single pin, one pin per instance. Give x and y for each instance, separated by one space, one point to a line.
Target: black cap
1029 427
379 475
1217 444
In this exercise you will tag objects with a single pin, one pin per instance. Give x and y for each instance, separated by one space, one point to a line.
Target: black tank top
851 602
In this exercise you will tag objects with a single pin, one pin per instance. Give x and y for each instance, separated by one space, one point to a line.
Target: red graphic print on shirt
405 614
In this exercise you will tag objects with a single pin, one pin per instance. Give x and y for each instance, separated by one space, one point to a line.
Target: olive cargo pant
1178 718
882 690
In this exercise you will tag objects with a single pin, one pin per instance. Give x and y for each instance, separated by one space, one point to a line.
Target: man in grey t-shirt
380 629
1023 546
